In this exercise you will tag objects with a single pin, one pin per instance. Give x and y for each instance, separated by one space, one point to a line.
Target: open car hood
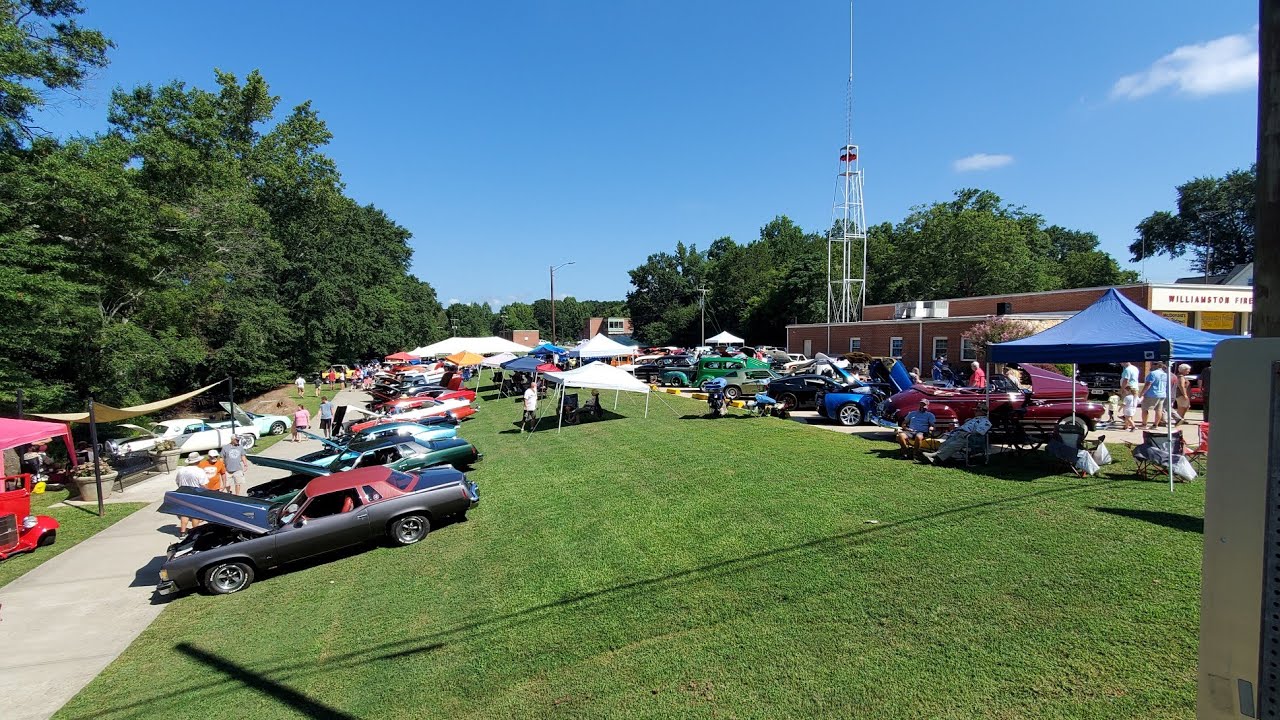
235 411
296 467
1048 382
234 511
140 429
323 440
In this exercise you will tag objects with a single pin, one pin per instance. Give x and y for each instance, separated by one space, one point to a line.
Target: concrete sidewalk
68 618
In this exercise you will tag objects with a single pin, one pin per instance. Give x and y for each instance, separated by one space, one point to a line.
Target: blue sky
510 136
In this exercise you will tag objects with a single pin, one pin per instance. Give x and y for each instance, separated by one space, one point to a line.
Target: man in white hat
189 475
215 470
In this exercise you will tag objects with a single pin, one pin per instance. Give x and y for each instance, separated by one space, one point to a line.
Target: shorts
326 423
1151 403
529 416
300 427
1182 404
235 478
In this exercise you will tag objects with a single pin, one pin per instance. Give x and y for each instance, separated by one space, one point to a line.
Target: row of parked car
393 475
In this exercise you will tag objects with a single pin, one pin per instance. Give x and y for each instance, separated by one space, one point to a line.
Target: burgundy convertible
1039 410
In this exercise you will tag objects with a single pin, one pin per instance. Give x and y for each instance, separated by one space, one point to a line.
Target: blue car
331 449
857 401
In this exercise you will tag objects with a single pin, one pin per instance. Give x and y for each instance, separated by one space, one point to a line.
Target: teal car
265 424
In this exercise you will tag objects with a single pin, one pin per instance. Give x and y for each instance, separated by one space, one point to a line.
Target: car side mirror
300 522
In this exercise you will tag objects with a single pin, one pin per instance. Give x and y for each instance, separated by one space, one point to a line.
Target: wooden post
93 445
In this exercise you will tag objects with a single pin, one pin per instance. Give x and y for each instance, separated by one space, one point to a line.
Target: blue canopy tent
1112 329
527 364
547 348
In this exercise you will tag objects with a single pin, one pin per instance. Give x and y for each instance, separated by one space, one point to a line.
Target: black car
800 391
651 372
1103 379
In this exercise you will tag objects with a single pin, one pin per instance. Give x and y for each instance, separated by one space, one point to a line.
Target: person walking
979 377
301 420
326 416
530 407
189 475
1182 392
1155 392
1129 376
235 461
1130 407
215 470
302 386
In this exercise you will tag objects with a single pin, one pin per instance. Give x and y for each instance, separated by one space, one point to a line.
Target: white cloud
981 161
1217 66
452 301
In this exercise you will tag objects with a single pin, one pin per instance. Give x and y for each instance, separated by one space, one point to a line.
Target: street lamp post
554 268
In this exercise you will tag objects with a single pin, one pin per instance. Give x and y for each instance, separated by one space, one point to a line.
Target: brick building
918 331
528 338
608 326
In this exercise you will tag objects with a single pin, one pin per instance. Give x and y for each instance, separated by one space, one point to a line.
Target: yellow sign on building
1217 321
1178 317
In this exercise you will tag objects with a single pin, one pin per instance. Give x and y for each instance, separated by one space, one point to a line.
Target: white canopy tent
724 338
495 361
597 376
478 345
601 347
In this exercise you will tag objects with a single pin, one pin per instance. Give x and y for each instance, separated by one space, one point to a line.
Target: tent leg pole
616 394
1074 375
560 425
646 405
1168 396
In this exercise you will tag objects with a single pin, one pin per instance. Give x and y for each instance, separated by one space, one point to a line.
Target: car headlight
164 574
29 522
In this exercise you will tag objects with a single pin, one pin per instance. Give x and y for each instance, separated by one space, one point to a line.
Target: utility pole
1266 274
702 305
554 268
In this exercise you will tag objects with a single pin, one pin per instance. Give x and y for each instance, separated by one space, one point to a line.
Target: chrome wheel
277 428
789 401
732 392
226 578
247 441
850 415
409 529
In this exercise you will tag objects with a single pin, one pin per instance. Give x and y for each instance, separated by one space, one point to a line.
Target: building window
895 347
616 326
939 346
967 350
855 344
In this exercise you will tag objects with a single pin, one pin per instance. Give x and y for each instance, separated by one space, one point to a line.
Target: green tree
1214 223
42 51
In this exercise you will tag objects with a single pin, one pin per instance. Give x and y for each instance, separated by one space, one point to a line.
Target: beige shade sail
106 413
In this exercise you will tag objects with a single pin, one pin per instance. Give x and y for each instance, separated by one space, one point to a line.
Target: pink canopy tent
401 357
20 432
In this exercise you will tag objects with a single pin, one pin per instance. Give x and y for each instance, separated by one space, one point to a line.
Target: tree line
204 234
480 319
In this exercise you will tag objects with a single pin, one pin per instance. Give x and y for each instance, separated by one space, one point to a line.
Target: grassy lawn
310 402
76 524
740 567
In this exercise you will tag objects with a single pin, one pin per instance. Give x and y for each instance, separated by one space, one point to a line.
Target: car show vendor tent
496 361
724 338
600 347
598 376
1113 329
478 345
14 433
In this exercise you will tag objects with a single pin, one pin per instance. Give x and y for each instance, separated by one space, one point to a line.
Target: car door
323 525
192 437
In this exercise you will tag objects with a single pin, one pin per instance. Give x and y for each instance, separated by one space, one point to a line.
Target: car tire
247 441
225 578
732 392
278 428
48 539
409 529
849 414
1068 421
789 401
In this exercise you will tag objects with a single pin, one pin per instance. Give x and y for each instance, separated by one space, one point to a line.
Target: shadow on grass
286 696
267 679
730 416
1175 521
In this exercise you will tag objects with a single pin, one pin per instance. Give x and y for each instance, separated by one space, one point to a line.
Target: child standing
1130 406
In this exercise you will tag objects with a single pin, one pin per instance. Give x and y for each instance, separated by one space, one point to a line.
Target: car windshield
288 509
159 429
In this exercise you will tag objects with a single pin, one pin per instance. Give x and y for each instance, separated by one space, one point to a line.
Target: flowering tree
997 330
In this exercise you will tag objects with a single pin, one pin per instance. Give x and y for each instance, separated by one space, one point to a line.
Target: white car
188 435
266 424
432 408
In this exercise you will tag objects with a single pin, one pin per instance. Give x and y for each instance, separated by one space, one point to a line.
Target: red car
459 408
20 531
424 398
1039 410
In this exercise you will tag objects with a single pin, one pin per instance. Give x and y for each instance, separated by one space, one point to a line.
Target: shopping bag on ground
1102 455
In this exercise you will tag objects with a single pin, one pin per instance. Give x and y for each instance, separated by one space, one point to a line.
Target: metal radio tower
847 240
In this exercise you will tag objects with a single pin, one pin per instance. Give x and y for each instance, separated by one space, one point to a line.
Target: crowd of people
215 470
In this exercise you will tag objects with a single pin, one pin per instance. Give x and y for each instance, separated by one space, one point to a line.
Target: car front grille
8 532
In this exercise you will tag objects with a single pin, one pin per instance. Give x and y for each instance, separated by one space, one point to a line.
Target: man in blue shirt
1155 394
916 426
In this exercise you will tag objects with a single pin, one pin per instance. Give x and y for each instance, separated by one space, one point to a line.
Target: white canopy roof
497 360
477 345
597 375
601 347
725 337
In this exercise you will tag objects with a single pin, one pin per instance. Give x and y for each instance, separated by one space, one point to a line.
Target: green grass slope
684 567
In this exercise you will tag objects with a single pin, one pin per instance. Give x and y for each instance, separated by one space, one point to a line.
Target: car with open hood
1040 404
245 536
266 424
458 407
334 448
854 401
400 452
187 435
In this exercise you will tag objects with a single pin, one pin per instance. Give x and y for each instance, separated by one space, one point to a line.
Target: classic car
266 424
397 451
797 392
746 382
856 401
244 536
187 434
1039 409
709 368
416 398
651 371
1103 379
333 448
20 531
460 409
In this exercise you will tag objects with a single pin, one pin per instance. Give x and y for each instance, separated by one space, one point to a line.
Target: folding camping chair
570 411
498 379
1198 454
1153 455
976 444
1066 446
